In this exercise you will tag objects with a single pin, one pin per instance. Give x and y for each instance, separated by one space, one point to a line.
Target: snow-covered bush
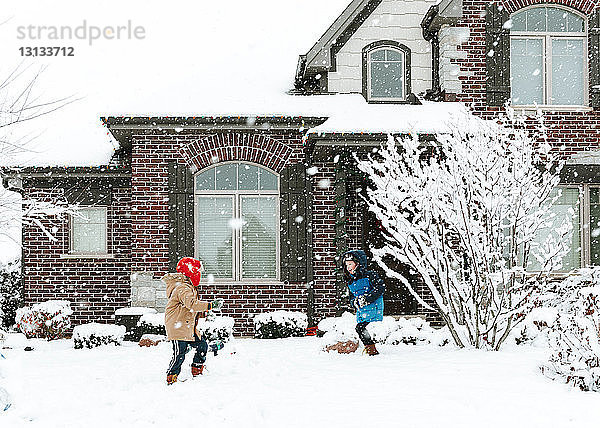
93 335
151 323
574 337
338 329
130 317
215 328
10 293
469 215
535 327
280 324
417 331
411 331
380 331
48 320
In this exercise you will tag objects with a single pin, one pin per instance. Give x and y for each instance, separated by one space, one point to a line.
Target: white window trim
547 37
77 254
404 74
237 233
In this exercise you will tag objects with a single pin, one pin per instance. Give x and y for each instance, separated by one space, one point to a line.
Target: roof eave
447 12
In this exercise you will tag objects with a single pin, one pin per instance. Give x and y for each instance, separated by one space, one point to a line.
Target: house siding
395 20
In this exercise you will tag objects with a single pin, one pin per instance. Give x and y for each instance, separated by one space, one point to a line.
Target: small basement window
89 231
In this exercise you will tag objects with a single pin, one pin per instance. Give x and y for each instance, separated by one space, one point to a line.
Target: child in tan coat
183 310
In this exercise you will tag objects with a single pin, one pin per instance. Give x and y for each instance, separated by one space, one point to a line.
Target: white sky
197 57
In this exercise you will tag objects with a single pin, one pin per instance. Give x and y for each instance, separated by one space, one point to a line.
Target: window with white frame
237 221
89 231
548 57
386 74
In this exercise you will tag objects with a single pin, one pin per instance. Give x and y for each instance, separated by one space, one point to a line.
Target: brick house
178 186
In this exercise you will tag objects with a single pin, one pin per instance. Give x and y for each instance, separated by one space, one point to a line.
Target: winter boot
371 350
196 371
171 379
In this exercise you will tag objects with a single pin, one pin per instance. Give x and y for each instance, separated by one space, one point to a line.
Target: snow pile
574 337
413 331
5 401
14 341
216 328
534 329
380 331
339 329
280 324
151 323
417 331
48 320
135 310
154 319
93 335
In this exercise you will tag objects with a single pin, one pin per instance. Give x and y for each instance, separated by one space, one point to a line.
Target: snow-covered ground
289 383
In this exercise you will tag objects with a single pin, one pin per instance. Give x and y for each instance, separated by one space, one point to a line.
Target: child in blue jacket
366 295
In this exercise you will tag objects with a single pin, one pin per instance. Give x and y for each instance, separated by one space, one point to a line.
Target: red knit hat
191 268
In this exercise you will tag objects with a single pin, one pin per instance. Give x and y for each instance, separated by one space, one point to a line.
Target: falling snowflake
324 183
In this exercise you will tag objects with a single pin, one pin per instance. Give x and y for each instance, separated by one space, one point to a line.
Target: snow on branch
474 215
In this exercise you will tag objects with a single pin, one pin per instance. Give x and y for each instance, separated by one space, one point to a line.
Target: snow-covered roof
352 114
197 58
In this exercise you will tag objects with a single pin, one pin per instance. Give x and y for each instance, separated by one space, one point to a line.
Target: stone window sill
557 109
243 282
87 256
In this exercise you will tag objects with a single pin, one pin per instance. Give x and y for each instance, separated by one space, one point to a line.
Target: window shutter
295 225
497 50
181 213
594 49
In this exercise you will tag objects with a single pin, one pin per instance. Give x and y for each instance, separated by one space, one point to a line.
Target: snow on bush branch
48 320
470 213
574 336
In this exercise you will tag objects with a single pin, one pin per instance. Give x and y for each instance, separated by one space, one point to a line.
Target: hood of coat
172 280
360 257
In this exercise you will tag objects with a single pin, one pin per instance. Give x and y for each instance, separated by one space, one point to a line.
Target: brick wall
324 263
568 132
96 287
150 158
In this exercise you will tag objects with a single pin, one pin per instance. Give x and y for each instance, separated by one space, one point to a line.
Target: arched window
548 57
386 71
237 221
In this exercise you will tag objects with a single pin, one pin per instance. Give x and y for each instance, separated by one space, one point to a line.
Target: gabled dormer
375 48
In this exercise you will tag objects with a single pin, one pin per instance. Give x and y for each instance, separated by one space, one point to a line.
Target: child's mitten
216 305
362 301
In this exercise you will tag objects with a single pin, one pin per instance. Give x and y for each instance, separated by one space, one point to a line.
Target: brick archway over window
233 146
584 6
